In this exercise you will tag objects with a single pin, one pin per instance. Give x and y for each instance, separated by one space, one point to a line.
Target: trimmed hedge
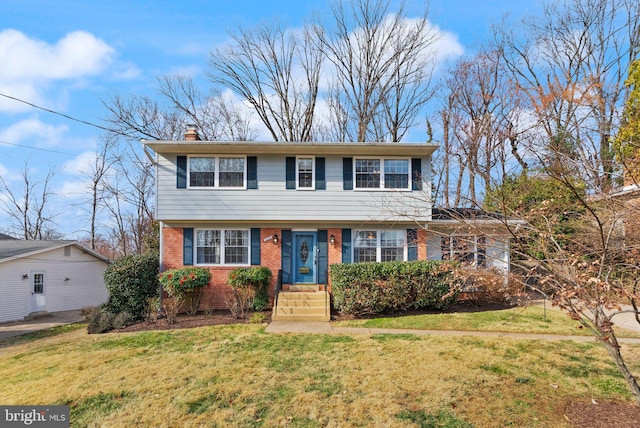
377 288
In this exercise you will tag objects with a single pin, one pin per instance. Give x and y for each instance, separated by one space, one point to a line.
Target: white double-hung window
379 245
306 179
222 246
383 173
214 171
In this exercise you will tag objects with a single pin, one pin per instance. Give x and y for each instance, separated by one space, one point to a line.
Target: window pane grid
231 172
396 173
305 172
38 283
384 246
365 255
368 173
208 246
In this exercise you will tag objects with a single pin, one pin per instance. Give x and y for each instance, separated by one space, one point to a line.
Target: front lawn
519 319
239 376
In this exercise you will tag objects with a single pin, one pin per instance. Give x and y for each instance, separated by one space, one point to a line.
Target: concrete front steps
302 303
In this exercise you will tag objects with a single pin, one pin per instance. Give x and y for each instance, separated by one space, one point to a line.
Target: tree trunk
611 345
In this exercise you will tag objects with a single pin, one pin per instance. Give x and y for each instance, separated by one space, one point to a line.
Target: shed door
38 296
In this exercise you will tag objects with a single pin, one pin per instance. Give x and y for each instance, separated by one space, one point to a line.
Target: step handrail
278 288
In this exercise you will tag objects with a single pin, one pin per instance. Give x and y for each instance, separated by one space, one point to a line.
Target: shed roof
11 249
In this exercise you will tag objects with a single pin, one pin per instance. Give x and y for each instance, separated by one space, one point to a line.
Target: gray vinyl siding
273 202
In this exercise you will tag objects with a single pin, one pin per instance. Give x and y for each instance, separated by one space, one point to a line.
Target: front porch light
275 239
332 239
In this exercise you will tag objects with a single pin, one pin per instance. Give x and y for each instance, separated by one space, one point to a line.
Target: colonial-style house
297 208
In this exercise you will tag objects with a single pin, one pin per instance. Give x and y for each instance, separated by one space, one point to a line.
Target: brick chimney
191 134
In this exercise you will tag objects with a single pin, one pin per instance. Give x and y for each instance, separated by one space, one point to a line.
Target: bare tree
95 178
28 208
277 72
382 64
570 67
143 117
477 122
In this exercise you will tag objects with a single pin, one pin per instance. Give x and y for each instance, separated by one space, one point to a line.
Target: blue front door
304 257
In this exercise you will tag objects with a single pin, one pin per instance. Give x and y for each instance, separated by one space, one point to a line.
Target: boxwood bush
377 288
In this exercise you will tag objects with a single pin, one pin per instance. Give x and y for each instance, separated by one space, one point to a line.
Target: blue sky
71 55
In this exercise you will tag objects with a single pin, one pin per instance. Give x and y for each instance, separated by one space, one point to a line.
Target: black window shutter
291 172
347 173
321 184
255 246
187 246
181 176
252 172
416 174
286 257
323 257
346 245
412 242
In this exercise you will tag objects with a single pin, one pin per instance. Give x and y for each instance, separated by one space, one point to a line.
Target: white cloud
33 129
78 54
81 164
30 66
72 190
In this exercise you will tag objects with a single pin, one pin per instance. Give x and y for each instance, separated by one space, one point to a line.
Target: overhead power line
66 116
35 148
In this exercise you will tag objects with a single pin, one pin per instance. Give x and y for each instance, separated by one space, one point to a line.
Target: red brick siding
215 294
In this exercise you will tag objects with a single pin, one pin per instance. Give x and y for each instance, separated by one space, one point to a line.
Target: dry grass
519 319
240 376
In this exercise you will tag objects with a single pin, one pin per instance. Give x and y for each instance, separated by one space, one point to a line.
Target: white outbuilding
49 276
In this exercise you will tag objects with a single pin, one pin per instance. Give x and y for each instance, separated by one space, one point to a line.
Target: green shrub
131 281
101 319
256 278
186 284
376 288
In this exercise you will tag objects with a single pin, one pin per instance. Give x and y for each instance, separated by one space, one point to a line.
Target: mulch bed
603 415
221 317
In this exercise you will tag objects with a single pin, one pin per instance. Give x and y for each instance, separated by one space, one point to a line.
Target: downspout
154 162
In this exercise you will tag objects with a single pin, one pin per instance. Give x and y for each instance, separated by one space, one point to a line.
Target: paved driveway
53 319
